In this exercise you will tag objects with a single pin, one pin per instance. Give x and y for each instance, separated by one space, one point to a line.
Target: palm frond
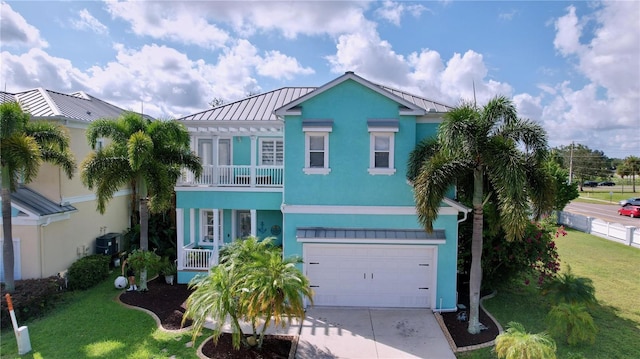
424 150
21 156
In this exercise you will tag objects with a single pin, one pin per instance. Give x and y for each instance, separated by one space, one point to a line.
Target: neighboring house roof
37 203
265 106
43 104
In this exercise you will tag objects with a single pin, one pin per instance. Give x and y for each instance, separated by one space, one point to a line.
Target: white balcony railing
235 176
197 258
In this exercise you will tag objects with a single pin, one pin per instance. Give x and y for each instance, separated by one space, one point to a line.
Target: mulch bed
168 303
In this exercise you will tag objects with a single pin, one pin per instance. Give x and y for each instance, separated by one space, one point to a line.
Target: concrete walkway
353 333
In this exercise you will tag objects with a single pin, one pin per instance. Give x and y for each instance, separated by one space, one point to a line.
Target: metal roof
42 103
37 203
261 107
255 108
365 233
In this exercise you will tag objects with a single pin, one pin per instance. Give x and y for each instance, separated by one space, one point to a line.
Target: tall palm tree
24 146
488 147
148 154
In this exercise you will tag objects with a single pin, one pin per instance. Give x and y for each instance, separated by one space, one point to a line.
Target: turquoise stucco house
323 170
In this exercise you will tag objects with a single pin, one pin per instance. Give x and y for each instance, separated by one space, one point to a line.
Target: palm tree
25 145
148 154
487 147
276 290
573 322
567 288
253 283
516 343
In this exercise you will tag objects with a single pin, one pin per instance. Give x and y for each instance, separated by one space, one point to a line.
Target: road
606 212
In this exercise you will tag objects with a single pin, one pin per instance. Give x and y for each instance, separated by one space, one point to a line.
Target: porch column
216 227
180 236
215 160
254 222
192 225
254 155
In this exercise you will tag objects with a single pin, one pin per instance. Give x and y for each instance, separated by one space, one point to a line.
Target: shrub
516 343
502 261
31 298
567 288
573 322
88 271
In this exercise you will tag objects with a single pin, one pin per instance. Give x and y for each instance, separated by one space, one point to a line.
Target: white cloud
86 21
280 66
173 21
393 11
608 106
36 68
15 31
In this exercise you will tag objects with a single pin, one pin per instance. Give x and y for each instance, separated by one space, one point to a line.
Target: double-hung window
317 146
382 146
271 152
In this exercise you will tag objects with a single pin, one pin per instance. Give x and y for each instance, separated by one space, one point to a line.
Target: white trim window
382 146
209 226
271 152
316 146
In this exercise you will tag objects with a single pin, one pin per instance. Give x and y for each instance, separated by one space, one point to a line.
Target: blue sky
572 66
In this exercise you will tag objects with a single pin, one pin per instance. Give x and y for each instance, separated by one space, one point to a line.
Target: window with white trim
382 146
317 153
271 152
208 226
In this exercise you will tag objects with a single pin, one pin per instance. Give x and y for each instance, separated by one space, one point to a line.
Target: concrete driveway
330 332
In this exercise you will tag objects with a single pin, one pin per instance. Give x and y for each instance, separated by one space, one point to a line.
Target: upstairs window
271 152
382 146
317 146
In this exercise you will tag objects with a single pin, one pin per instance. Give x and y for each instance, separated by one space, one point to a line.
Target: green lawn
607 194
614 269
91 324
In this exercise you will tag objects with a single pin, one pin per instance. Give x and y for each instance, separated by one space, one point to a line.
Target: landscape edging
450 340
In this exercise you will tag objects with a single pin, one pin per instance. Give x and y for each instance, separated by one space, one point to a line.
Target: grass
613 268
91 324
607 194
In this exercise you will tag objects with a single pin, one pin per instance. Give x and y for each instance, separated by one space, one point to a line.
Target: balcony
235 176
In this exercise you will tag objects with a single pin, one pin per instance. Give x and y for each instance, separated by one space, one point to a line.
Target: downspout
42 245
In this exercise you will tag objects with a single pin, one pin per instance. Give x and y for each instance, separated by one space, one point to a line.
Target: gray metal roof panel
42 103
368 233
37 203
254 108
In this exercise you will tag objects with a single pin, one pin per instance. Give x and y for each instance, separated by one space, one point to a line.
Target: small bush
31 298
572 322
88 271
517 343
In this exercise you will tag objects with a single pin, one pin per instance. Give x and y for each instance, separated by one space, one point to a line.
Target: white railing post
254 155
180 235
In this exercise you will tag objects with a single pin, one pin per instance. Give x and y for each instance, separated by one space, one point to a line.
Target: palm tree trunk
144 239
7 233
475 277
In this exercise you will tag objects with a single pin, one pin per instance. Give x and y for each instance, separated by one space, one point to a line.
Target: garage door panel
370 275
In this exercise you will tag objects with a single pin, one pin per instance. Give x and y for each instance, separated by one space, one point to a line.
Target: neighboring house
54 218
323 170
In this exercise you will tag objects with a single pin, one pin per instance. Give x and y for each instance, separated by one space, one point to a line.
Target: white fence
616 232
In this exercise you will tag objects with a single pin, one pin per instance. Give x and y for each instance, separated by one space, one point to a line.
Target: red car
629 210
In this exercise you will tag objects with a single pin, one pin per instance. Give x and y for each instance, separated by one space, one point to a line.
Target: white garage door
370 275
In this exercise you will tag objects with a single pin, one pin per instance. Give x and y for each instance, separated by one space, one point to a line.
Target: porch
197 258
235 176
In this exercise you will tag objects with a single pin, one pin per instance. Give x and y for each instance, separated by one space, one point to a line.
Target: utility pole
571 164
